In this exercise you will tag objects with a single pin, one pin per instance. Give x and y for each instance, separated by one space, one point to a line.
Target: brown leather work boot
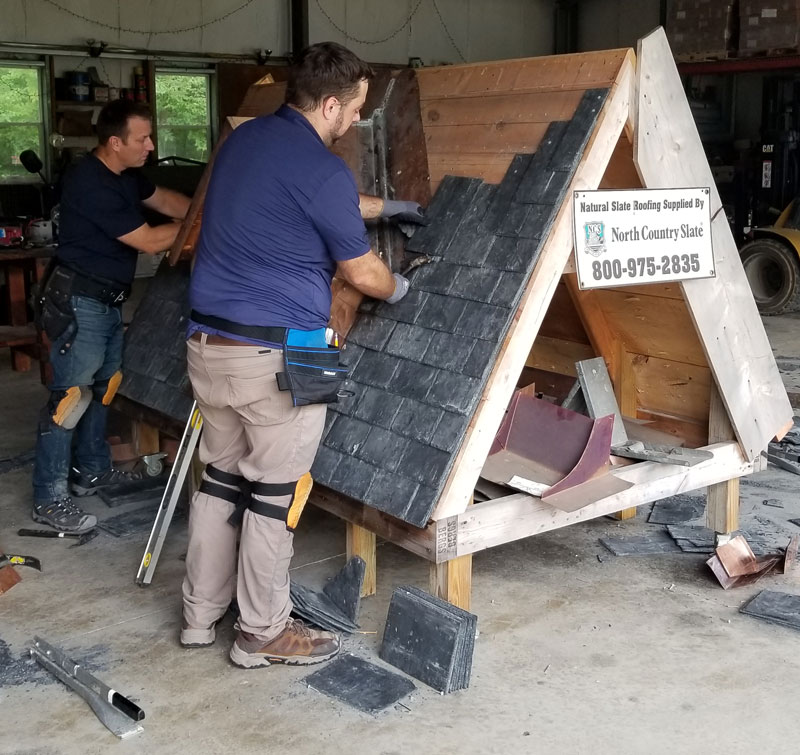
296 645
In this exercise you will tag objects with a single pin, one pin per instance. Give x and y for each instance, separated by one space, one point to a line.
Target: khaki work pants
249 428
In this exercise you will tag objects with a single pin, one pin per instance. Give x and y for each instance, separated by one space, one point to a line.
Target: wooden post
722 509
145 438
626 398
361 542
452 581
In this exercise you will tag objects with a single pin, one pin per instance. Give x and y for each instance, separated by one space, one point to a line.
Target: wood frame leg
145 438
452 581
722 500
361 542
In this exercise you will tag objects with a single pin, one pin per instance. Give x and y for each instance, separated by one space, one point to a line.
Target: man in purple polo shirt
281 216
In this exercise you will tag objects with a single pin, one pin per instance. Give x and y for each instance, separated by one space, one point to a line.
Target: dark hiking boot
62 514
296 645
82 484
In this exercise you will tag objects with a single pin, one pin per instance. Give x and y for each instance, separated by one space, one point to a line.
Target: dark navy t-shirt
280 212
98 206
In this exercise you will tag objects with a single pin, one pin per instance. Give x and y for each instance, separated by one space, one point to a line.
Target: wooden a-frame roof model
506 144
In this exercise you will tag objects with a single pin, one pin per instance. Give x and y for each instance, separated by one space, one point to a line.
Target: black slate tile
412 380
579 129
514 221
468 243
407 309
325 463
391 493
508 289
530 186
416 420
352 477
371 332
422 505
448 351
483 321
441 312
512 254
350 355
436 277
375 368
480 359
383 448
501 201
368 305
347 434
409 341
376 407
445 215
449 431
453 392
476 283
423 463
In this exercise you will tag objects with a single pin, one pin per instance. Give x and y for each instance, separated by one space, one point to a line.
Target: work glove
403 212
401 285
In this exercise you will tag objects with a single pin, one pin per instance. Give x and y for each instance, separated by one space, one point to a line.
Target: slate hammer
13 559
82 538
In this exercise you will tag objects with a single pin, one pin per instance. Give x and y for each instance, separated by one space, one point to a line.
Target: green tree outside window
21 125
183 116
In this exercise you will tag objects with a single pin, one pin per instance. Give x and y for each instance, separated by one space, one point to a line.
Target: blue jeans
95 355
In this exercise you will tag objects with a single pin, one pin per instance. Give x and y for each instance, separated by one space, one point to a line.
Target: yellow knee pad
113 386
71 406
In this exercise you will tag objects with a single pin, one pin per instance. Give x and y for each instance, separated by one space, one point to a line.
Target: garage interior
613 617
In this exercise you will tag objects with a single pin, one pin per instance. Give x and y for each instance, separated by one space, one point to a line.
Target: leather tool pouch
313 375
55 315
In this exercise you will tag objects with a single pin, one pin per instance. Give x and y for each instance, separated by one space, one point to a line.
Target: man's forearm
171 203
371 207
369 274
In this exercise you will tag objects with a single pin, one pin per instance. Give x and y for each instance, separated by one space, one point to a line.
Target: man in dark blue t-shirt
281 216
101 229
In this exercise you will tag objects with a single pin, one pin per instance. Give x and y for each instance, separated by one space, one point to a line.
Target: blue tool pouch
311 373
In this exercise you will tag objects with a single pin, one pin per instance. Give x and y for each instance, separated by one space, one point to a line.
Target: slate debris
775 607
335 608
429 639
137 521
360 684
677 509
143 491
641 545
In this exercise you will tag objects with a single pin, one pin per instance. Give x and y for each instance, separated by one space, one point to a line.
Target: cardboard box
702 29
769 26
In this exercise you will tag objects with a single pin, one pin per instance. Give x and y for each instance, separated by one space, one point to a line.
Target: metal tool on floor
119 714
81 537
169 500
13 559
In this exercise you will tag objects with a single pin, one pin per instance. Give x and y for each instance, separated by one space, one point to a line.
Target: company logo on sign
594 234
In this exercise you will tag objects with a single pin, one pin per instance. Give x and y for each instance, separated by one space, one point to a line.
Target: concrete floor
578 652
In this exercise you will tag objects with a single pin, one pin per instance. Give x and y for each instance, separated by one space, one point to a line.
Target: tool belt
244 499
312 375
53 311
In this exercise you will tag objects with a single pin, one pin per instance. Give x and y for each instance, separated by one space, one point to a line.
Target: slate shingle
479 359
371 332
448 351
449 431
407 309
390 492
483 321
412 379
409 341
383 448
347 434
325 463
453 391
352 477
424 464
441 312
375 368
376 407
416 420
437 276
476 283
422 504
508 288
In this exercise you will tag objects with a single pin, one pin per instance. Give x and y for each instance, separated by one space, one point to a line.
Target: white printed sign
640 236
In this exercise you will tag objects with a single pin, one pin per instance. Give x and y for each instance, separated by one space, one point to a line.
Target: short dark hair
326 69
113 118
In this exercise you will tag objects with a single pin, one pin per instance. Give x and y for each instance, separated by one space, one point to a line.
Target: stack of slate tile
335 608
419 367
430 639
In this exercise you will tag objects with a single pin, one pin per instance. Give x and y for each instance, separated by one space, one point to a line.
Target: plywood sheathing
419 367
668 153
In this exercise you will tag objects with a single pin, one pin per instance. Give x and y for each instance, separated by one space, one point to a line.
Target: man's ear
329 106
114 142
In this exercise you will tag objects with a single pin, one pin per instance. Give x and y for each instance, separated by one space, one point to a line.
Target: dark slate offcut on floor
418 367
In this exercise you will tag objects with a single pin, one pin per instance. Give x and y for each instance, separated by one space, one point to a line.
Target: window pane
182 100
13 140
183 142
19 95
